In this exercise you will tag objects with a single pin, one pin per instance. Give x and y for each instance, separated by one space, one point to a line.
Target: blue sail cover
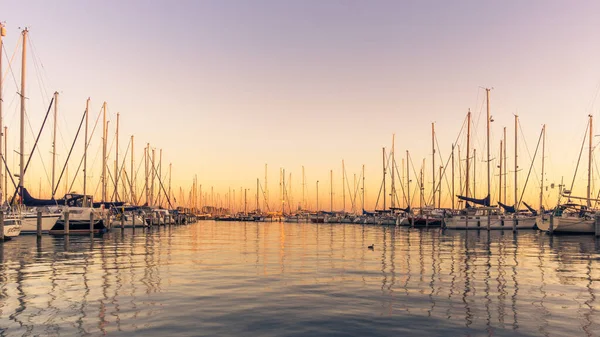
72 201
507 209
28 200
483 202
533 211
406 210
368 213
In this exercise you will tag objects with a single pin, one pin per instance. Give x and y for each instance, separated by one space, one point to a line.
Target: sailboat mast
169 191
500 175
393 195
433 163
116 159
5 151
460 181
422 187
452 156
132 176
408 181
2 187
589 178
147 190
22 130
104 152
152 176
487 91
516 164
505 172
468 154
257 185
54 143
542 182
85 145
363 187
384 194
343 187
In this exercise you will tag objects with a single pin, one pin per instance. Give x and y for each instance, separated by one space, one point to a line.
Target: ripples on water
274 279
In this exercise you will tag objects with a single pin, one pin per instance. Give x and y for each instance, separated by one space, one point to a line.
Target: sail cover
533 211
483 202
507 209
28 200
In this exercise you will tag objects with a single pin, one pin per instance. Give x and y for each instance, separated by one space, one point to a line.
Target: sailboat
571 217
28 218
486 216
12 222
524 219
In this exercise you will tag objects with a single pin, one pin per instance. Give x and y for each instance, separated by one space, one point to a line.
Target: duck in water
371 246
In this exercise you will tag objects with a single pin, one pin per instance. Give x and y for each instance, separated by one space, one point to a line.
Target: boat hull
79 227
567 225
29 223
12 229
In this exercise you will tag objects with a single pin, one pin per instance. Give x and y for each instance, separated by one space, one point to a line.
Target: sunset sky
225 87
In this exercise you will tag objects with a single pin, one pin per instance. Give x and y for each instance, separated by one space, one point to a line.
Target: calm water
277 279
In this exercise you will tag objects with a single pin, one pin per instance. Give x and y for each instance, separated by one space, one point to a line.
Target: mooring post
143 220
39 224
123 220
597 224
515 222
91 222
551 228
1 226
67 225
427 221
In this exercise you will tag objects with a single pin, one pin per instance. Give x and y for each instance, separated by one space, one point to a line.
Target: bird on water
371 246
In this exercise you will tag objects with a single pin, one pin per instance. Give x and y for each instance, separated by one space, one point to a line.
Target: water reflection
248 278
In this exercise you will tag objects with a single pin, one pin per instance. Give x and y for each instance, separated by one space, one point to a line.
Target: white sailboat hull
11 231
497 222
12 228
129 223
29 223
569 225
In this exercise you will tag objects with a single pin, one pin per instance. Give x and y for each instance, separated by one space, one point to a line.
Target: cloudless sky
224 87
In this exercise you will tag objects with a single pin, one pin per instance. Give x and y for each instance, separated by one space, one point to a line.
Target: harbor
209 168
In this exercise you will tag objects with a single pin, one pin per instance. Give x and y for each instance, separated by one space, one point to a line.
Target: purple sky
224 87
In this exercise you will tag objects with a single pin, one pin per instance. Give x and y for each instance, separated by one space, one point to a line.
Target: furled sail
533 211
483 202
507 208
